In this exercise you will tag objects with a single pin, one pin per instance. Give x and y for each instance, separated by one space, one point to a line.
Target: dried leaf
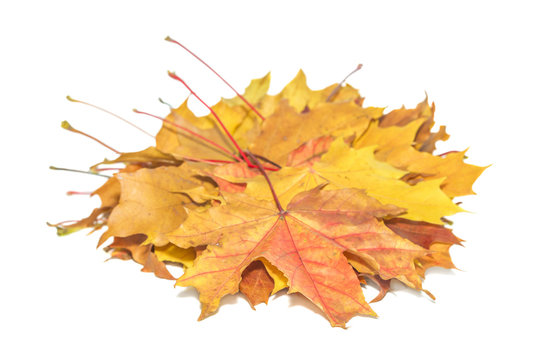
256 284
174 254
306 243
133 247
384 287
153 201
292 129
330 194
344 167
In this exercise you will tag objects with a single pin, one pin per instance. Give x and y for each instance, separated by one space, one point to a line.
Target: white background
478 61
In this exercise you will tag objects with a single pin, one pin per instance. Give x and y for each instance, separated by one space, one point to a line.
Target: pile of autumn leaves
359 196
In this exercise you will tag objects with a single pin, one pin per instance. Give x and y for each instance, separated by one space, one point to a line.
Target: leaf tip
428 293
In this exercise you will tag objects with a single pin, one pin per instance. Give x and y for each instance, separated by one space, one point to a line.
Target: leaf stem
268 161
78 171
191 133
336 89
175 77
168 38
210 161
263 172
68 127
110 113
109 169
70 193
448 153
165 103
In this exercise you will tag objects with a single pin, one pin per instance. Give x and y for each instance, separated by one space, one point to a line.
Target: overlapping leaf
348 194
306 242
343 167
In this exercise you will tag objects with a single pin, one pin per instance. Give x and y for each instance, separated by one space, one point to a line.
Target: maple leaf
384 286
395 145
260 280
344 193
458 176
132 247
242 123
424 140
182 144
256 283
306 242
436 238
343 167
301 98
153 201
291 129
173 254
310 152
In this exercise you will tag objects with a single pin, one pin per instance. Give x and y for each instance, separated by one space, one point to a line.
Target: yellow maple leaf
395 145
291 129
175 254
300 97
345 167
153 201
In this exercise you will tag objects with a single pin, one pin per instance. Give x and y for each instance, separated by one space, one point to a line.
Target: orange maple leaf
306 242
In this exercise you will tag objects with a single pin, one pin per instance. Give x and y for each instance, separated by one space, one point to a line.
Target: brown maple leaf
436 238
132 248
260 280
256 283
